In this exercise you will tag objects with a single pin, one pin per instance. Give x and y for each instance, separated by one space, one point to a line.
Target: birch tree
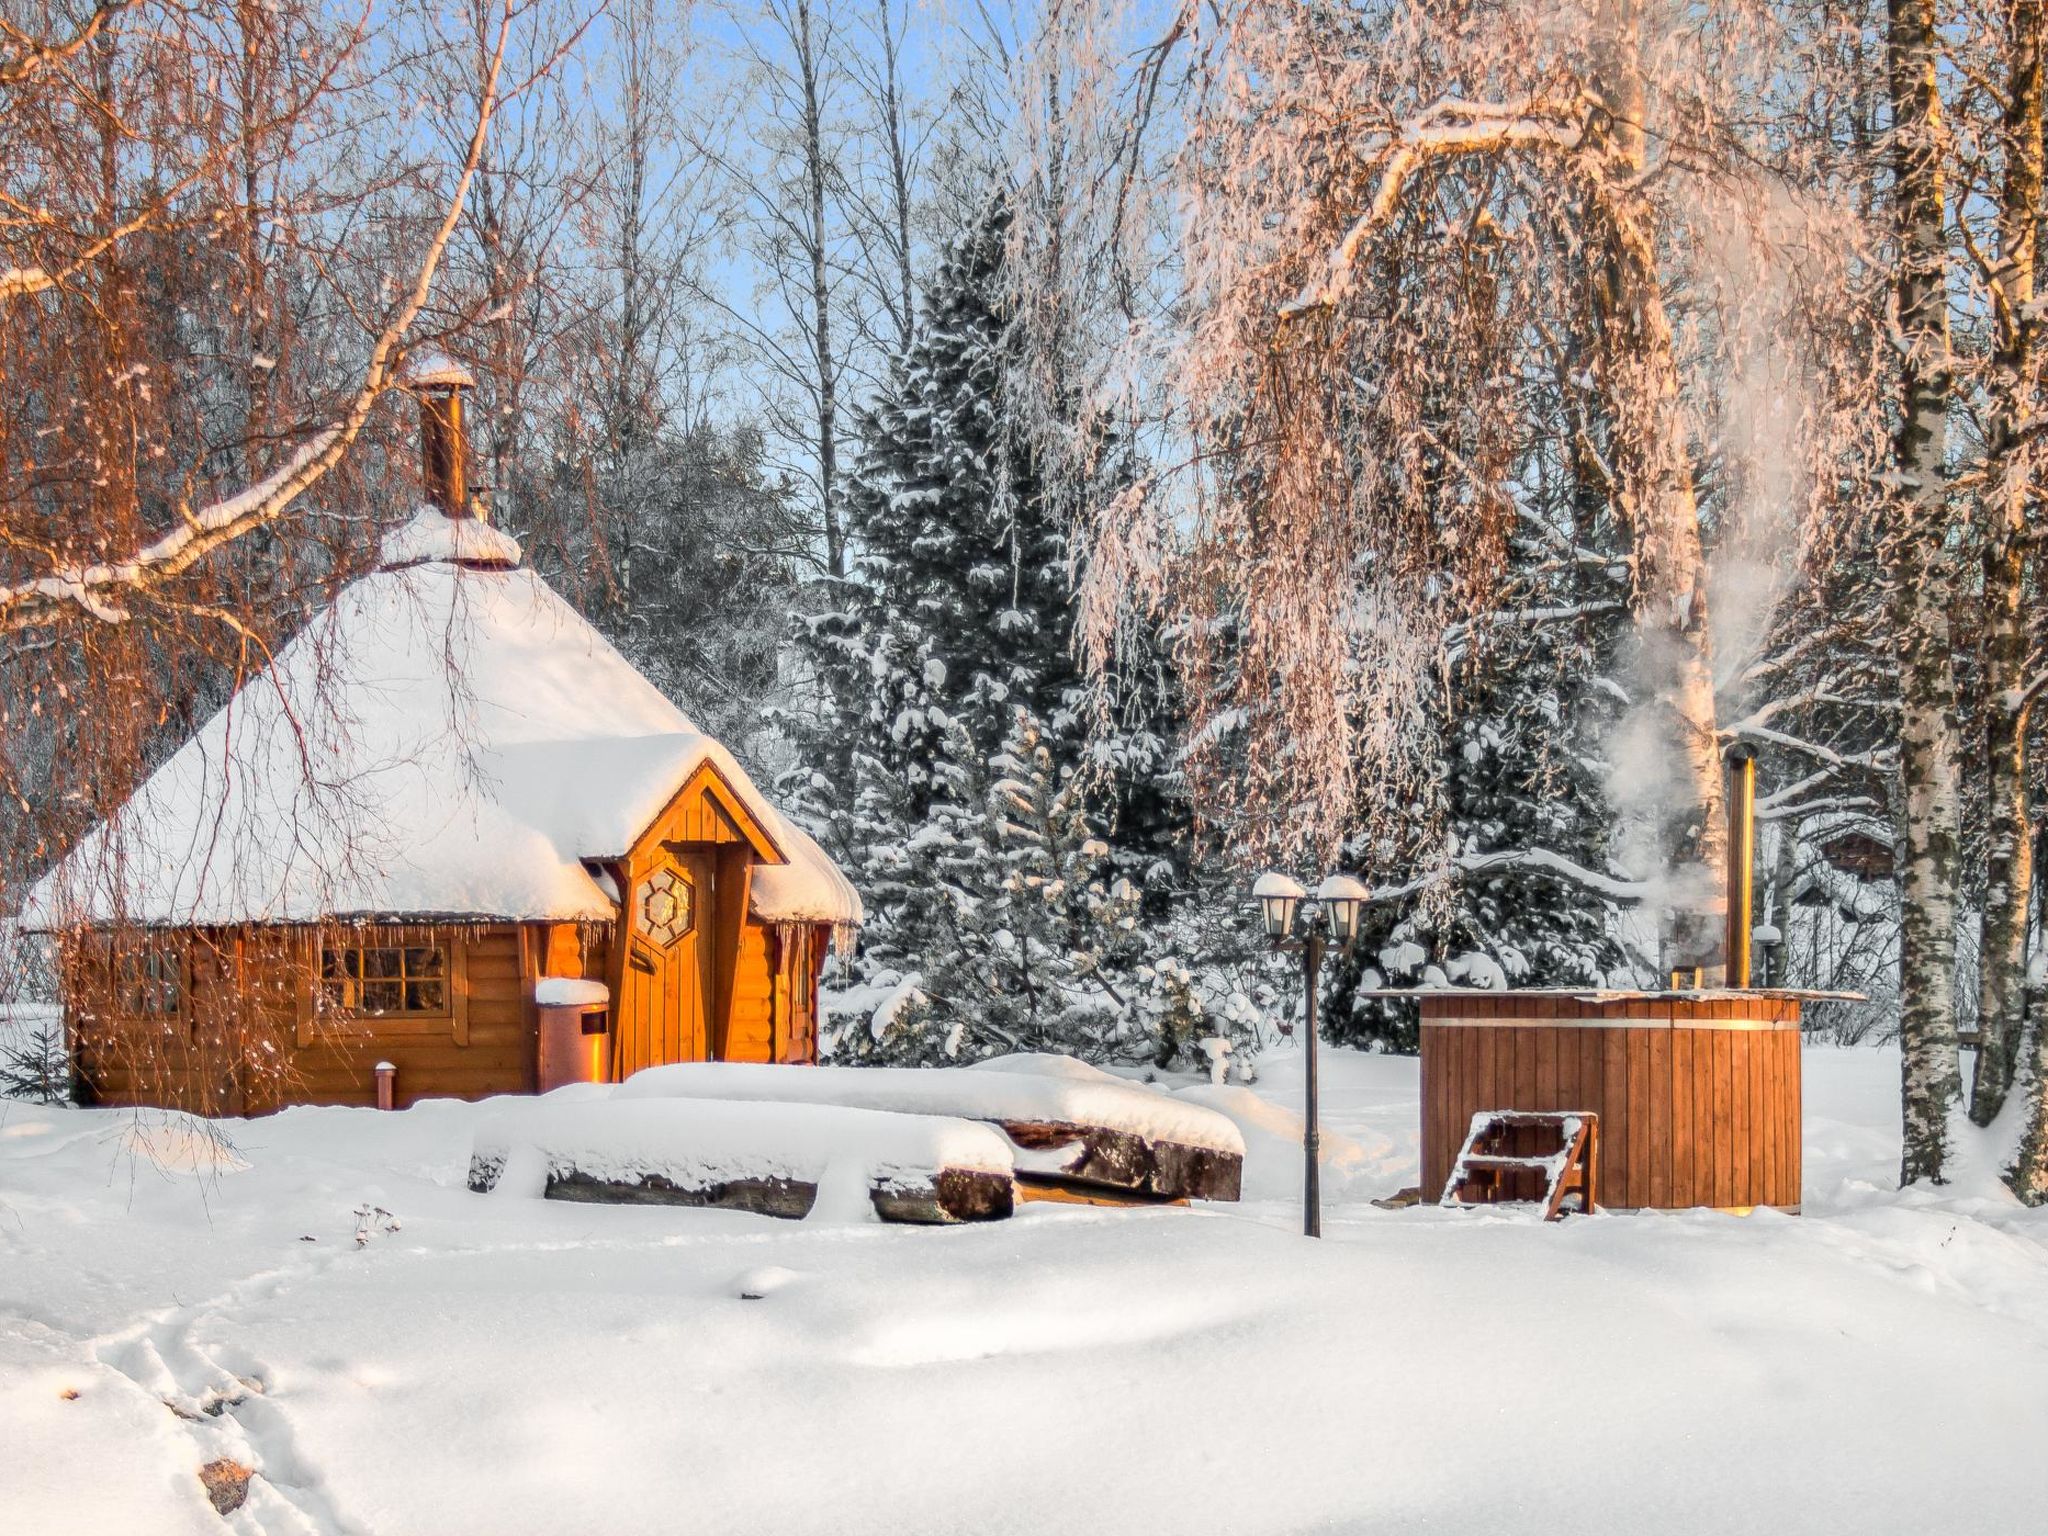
1349 199
64 247
1922 596
2011 402
784 180
221 230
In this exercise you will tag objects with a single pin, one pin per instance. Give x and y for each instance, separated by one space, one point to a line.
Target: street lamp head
1344 898
1279 899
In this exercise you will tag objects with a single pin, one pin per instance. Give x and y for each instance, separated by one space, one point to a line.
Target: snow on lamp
1344 898
1279 899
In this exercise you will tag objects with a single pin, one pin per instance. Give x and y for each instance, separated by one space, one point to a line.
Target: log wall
1698 1098
246 1038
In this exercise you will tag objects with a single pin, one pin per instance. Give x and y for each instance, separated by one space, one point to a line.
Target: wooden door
664 1012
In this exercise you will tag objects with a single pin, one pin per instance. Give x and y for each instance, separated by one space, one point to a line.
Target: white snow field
504 1365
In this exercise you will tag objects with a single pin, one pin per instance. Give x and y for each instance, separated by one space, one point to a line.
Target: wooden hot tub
1697 1092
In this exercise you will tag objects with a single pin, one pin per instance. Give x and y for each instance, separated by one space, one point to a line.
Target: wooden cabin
442 798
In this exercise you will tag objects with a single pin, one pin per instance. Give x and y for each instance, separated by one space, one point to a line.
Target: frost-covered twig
22 55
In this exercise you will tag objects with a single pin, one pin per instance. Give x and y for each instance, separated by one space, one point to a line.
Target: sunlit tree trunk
2001 996
1931 1078
1655 491
2030 1176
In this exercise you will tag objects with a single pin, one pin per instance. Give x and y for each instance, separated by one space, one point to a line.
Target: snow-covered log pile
772 1159
1068 1123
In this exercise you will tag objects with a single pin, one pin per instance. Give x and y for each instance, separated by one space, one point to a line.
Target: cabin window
668 907
151 982
386 980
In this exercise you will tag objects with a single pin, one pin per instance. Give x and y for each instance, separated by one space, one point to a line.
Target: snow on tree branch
1536 861
101 590
1448 128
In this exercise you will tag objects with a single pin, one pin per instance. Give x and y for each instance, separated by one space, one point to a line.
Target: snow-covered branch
1540 861
1447 128
1875 760
1830 806
1768 711
101 589
2035 687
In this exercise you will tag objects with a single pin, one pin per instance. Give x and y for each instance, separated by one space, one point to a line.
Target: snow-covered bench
773 1159
1068 1124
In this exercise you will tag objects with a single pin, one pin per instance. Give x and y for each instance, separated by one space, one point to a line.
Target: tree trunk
1931 1077
2030 1178
821 291
2001 996
1655 494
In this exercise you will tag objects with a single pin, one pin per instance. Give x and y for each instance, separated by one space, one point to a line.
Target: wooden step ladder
1495 1153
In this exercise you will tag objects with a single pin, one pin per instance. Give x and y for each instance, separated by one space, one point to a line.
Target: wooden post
387 1085
1311 1137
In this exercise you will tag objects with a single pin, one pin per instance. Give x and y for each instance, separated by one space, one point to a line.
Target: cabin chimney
1741 761
439 383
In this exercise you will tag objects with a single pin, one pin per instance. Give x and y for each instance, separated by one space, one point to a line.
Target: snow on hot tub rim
1593 994
1017 1096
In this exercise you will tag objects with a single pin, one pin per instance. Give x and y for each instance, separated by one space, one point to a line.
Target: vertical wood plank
1763 1076
1795 1173
1741 1119
1683 1135
1724 1079
1642 1177
1528 1067
1432 1102
1657 1098
1779 1094
1614 1162
1763 1067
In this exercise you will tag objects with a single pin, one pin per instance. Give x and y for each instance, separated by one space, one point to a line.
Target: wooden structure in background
1697 1093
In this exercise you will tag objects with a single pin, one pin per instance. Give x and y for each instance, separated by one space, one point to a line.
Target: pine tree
1006 844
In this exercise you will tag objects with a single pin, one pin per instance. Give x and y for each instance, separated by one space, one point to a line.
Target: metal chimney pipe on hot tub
1741 765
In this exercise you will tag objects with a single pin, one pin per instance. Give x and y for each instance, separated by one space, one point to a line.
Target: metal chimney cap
435 369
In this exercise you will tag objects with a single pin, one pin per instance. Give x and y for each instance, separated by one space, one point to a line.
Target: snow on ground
506 1366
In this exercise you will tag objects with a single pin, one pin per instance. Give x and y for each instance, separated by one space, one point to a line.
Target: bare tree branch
98 590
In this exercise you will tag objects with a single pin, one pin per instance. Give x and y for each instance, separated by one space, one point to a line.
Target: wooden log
790 1199
1062 1192
946 1196
949 1195
1124 1160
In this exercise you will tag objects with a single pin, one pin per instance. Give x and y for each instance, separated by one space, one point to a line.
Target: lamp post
1299 925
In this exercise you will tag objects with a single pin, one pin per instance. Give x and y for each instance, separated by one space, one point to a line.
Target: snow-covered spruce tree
1004 843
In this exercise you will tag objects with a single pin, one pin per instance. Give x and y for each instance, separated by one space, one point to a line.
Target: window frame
156 948
403 979
318 1007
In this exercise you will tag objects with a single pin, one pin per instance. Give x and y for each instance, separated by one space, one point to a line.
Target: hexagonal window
668 907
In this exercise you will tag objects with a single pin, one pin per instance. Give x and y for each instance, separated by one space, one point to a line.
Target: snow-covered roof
432 536
449 739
